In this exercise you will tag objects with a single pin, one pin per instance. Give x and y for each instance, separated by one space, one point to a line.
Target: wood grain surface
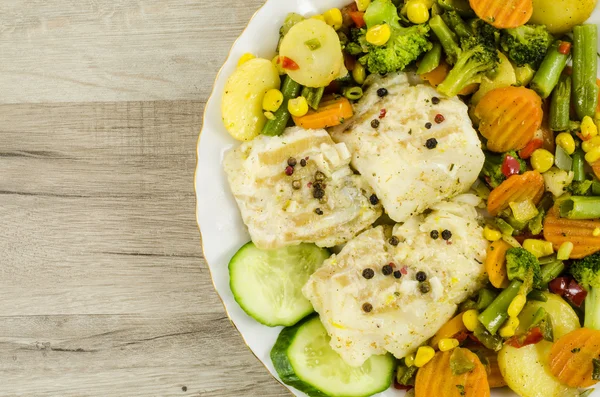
103 288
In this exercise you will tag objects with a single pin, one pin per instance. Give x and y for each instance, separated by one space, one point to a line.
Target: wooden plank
106 50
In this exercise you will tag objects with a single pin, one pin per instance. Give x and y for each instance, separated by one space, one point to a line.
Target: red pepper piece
575 293
564 47
531 338
359 18
510 166
287 63
531 147
559 285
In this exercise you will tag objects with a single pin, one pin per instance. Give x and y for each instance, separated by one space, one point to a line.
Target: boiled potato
564 318
527 372
561 15
315 47
241 106
504 77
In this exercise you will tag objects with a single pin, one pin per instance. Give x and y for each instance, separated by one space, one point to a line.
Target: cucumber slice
268 284
303 359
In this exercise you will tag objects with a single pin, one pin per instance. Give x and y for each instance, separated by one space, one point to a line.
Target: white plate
220 223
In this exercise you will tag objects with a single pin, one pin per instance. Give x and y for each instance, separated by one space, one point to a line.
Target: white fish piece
276 213
406 175
402 316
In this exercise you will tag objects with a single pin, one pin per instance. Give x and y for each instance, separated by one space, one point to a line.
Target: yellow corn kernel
542 160
359 74
333 18
510 328
320 17
517 305
566 141
272 100
565 249
590 144
417 11
298 106
448 344
538 248
379 34
278 66
269 115
424 355
491 234
596 232
588 127
470 319
593 155
409 360
362 4
245 58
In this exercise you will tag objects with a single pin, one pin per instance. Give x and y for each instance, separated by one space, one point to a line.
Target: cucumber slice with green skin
268 284
303 359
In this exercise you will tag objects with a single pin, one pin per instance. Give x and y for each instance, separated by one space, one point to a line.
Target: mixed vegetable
528 72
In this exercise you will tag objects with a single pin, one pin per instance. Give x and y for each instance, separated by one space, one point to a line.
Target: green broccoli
524 266
527 44
403 48
492 167
486 32
580 188
587 273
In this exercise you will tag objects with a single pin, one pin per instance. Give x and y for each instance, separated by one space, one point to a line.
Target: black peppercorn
387 270
435 100
318 193
394 241
428 125
318 211
296 185
382 92
368 273
446 234
292 162
375 123
434 234
397 274
431 143
373 199
421 276
425 287
367 307
303 163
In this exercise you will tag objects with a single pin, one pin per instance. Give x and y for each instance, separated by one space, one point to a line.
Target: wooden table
103 289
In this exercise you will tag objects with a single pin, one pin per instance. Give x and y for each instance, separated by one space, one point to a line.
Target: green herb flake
313 44
596 371
576 350
460 363
461 390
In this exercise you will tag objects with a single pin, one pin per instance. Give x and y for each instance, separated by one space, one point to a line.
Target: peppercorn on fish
369 308
299 188
414 146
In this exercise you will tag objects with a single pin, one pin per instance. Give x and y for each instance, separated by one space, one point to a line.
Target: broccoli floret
587 273
523 265
405 45
580 188
476 60
485 32
527 44
492 167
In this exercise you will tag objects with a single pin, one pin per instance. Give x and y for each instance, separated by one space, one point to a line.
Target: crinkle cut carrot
517 188
571 357
503 14
559 230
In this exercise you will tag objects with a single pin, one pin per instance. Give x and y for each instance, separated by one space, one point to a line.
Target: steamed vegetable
585 70
331 112
548 74
579 232
241 106
311 53
523 266
495 263
527 44
503 14
529 186
580 207
560 105
498 167
573 357
560 16
504 77
563 318
290 90
496 314
587 273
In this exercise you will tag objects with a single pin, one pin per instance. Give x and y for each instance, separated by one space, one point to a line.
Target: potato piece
527 372
241 106
564 318
315 48
560 16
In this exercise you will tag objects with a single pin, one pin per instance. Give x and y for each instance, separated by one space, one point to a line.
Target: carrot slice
509 116
494 376
517 188
330 113
495 263
436 378
449 330
503 14
559 230
571 357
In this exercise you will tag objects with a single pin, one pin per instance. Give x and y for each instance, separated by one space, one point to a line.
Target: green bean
546 78
353 93
313 96
596 188
431 60
496 313
486 297
580 207
446 37
537 295
560 106
290 90
551 271
462 7
492 342
504 227
456 23
585 69
578 167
